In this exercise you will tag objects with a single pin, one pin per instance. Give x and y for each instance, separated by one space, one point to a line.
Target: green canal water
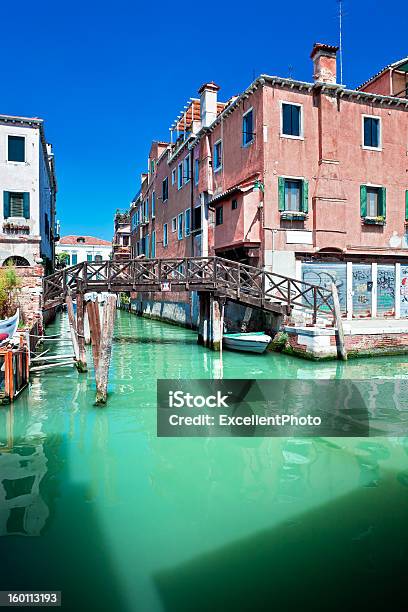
92 503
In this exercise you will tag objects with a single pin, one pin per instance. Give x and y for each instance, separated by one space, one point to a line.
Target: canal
92 503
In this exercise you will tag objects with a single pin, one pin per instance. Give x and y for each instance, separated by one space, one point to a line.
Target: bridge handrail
213 272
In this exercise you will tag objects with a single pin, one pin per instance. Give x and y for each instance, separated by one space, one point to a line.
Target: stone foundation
321 343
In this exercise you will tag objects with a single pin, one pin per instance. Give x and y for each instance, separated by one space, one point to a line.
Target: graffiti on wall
404 291
386 291
326 274
362 290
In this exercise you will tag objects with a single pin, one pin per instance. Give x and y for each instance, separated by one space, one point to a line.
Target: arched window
16 261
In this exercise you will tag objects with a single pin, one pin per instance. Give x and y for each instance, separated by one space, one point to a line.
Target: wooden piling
92 310
339 324
108 320
81 362
72 325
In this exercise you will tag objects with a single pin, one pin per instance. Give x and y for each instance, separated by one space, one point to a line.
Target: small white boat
250 342
9 327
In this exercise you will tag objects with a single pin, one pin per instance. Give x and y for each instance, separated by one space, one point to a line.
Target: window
293 195
152 166
16 204
89 257
74 259
234 204
81 239
180 176
371 132
187 217
153 253
98 258
180 226
173 224
217 156
165 235
248 128
173 176
187 169
16 148
197 218
146 211
219 215
373 202
146 245
196 171
291 120
165 189
153 204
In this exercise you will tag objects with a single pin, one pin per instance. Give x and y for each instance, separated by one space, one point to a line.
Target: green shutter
6 204
363 200
406 205
382 208
305 197
281 194
26 205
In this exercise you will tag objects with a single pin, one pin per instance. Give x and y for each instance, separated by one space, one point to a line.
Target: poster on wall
386 291
404 292
362 290
326 274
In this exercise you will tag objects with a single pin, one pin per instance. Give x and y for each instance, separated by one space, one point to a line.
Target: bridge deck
228 279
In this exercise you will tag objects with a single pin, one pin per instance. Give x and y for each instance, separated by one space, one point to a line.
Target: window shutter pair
406 205
281 195
382 201
6 205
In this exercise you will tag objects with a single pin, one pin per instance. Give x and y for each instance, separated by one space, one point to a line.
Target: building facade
28 186
83 248
121 237
307 179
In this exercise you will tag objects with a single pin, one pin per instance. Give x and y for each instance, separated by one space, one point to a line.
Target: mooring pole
72 326
81 363
108 320
339 323
92 310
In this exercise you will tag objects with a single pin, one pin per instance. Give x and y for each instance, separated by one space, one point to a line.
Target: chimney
208 103
324 63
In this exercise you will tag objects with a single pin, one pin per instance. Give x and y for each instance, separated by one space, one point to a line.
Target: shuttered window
373 201
291 120
293 195
406 205
165 189
371 132
219 215
16 148
248 128
16 204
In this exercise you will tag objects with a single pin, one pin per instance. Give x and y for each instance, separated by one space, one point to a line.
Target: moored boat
251 342
8 327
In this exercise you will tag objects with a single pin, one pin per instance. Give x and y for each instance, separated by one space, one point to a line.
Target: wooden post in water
108 320
81 363
72 326
339 324
101 338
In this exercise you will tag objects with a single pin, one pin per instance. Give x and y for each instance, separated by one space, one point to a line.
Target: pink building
308 179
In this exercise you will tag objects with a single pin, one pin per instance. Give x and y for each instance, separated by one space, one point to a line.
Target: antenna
341 15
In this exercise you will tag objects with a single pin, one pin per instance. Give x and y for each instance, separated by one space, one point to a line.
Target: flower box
374 220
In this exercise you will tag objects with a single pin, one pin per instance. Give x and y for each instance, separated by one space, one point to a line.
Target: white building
83 248
28 191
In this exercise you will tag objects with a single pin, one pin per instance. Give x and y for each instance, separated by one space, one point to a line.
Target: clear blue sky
110 77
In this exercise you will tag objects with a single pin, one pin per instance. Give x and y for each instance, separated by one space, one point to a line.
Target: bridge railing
233 279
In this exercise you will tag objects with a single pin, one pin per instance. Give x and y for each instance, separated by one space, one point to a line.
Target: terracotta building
309 179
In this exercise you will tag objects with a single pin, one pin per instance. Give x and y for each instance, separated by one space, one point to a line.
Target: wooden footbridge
215 279
224 278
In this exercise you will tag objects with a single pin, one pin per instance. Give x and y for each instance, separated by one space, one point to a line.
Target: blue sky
110 77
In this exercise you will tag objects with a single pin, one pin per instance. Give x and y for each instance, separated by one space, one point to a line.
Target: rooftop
87 240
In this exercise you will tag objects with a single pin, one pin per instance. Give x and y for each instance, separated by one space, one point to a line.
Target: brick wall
30 295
